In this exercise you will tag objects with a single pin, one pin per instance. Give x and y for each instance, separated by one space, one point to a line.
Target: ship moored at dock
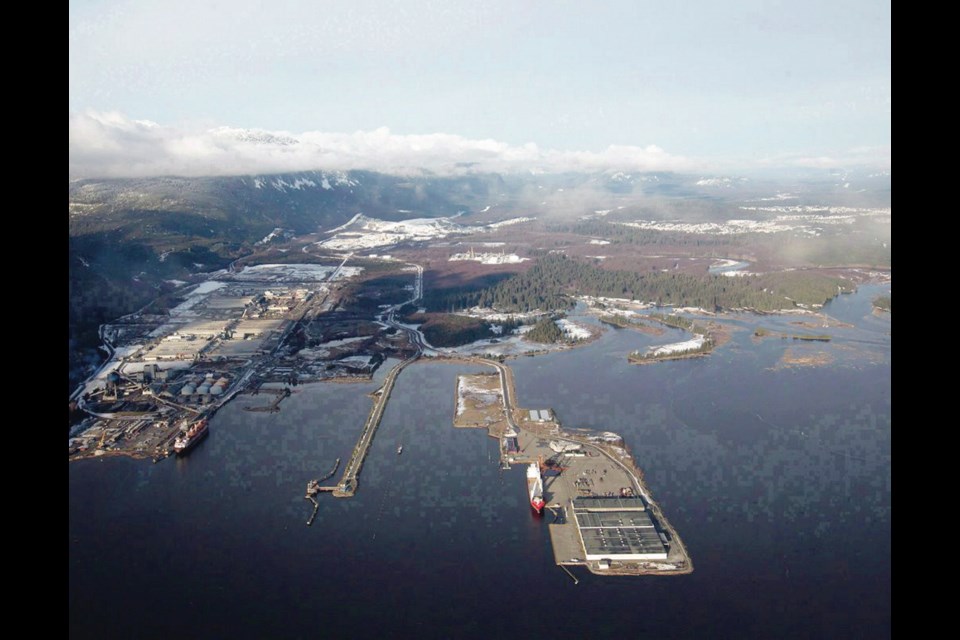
189 438
535 486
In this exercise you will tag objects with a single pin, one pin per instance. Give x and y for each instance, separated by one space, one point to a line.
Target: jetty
347 486
314 487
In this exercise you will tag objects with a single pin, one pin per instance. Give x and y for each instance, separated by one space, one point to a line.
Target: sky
177 86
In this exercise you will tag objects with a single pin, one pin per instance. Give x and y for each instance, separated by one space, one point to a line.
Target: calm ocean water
777 478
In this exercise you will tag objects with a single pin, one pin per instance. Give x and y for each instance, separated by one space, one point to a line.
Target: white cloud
108 144
873 156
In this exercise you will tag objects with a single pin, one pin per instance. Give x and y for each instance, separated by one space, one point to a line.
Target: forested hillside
555 279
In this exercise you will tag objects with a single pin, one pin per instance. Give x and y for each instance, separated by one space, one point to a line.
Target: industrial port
263 330
599 512
258 331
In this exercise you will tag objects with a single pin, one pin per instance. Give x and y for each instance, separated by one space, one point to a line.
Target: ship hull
535 487
191 443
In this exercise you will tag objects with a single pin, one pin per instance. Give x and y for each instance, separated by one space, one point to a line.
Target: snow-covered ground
342 341
486 313
506 223
195 297
131 368
806 219
367 233
488 258
573 330
696 310
362 232
270 236
99 381
506 346
729 227
354 361
295 272
339 179
465 387
207 287
677 347
346 224
610 303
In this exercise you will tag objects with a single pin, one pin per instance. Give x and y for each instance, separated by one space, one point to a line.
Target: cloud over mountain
109 144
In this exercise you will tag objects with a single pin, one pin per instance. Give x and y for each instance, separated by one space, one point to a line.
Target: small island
881 304
702 343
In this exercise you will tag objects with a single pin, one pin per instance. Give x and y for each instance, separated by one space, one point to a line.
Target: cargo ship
535 485
189 438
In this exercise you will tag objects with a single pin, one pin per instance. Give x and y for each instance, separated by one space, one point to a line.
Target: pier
347 486
313 488
273 406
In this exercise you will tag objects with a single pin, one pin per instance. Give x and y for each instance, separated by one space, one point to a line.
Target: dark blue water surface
777 478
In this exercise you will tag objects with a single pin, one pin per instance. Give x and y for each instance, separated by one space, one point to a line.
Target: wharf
601 470
600 467
347 486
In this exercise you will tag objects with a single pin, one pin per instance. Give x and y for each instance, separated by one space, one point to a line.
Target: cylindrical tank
216 390
188 389
204 388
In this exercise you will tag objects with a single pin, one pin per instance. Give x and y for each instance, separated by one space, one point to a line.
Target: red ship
189 438
535 485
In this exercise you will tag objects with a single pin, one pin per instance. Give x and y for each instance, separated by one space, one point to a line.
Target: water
723 268
777 478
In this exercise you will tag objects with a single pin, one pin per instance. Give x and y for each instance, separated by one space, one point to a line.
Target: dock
347 486
599 512
275 405
633 520
314 487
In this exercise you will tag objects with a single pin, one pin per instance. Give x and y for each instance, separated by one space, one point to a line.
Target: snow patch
677 347
488 258
466 386
572 330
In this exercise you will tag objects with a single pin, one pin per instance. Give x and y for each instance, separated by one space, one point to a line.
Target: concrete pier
347 486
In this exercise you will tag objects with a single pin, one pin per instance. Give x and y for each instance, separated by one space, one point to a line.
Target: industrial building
617 528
